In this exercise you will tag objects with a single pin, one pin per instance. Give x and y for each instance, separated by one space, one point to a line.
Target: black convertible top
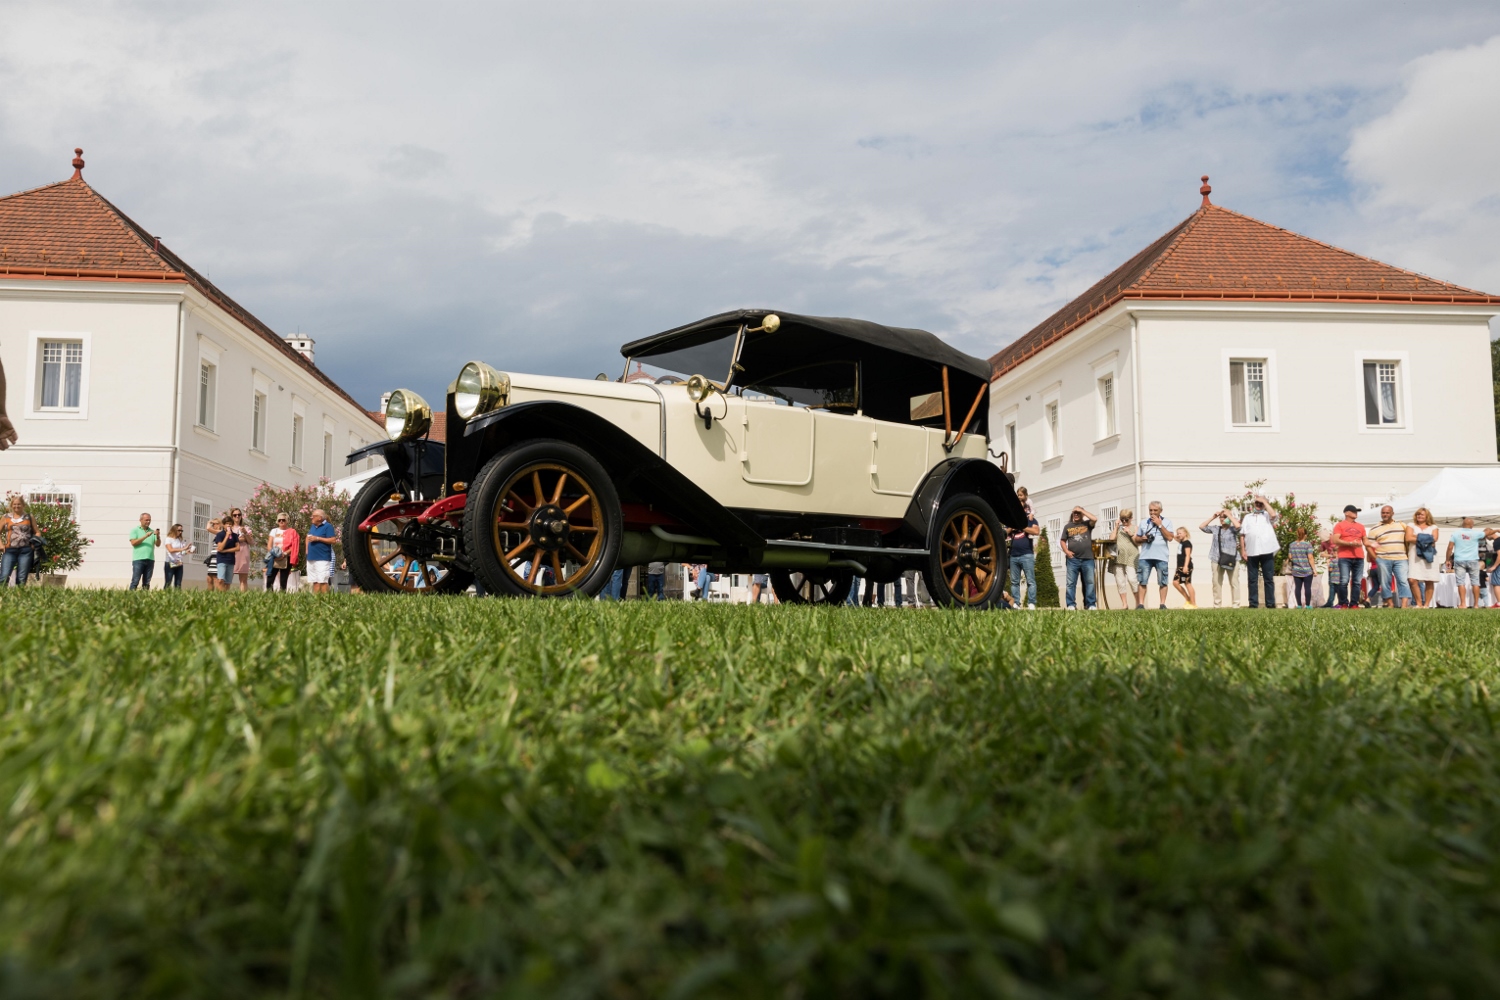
899 340
896 365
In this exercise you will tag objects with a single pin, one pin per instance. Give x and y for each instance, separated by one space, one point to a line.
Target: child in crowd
1300 559
1183 578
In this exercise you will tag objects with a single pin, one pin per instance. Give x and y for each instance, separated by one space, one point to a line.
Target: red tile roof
1218 255
68 231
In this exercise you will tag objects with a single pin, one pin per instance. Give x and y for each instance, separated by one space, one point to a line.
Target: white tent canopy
1452 495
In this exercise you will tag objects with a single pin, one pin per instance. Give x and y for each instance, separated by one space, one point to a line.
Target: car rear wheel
825 586
543 520
396 555
966 561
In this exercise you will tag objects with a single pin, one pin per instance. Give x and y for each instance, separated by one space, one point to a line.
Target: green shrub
1048 594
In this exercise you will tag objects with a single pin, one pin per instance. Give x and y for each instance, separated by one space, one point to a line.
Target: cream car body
762 454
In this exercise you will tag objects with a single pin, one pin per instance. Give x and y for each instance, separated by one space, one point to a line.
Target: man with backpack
1225 549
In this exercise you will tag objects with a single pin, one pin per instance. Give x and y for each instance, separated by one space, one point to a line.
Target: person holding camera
143 544
1225 550
1153 540
1258 536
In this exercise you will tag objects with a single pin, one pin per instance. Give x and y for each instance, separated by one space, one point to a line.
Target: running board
825 547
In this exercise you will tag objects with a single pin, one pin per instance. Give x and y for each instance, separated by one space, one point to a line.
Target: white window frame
1109 516
209 353
1010 424
47 489
299 435
1052 438
34 409
1404 423
1107 367
1054 546
192 528
330 435
1273 400
260 386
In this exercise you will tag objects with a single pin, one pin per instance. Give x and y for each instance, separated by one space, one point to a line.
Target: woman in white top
176 547
1425 573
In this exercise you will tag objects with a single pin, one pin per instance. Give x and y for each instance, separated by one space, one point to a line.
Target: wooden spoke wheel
398 556
967 557
544 520
825 586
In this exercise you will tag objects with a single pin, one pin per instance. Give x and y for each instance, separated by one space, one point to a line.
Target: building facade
136 385
1231 351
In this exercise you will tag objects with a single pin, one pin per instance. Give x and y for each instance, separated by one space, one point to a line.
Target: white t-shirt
275 540
1259 534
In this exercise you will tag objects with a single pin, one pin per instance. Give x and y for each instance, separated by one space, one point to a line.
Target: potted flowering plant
64 541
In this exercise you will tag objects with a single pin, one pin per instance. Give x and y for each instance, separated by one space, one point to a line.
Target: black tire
819 586
381 562
966 564
546 498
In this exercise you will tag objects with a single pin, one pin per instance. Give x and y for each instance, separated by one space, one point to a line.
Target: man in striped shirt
1387 542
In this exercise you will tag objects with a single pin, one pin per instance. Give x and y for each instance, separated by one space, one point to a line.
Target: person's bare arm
7 429
1087 516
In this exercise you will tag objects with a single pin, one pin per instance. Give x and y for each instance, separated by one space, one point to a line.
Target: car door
900 455
778 444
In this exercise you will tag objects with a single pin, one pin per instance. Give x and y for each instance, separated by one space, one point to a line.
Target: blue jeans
1351 575
1393 578
1023 566
140 573
1259 568
656 586
1084 568
876 592
12 561
1143 569
172 576
615 588
704 583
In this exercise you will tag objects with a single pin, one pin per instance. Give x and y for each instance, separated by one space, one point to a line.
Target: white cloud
547 181
1428 167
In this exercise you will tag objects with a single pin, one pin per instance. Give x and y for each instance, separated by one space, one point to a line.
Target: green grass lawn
235 796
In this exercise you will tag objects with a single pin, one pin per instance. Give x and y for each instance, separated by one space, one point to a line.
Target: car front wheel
966 558
396 556
543 520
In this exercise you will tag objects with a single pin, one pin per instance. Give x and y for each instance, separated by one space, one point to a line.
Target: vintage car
809 448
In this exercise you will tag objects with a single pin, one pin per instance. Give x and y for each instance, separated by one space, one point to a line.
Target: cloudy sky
418 184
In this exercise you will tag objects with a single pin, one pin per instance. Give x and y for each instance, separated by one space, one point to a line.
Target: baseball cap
1349 506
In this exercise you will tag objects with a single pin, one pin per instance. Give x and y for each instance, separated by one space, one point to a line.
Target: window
1108 424
1247 392
1054 546
62 375
258 423
297 440
1109 515
1010 443
208 390
1382 395
833 385
203 512
1053 439
66 496
328 454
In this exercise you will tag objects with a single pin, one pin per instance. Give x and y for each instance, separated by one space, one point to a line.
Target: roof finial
77 164
1205 191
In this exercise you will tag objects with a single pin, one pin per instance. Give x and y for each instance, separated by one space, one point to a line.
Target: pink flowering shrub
298 503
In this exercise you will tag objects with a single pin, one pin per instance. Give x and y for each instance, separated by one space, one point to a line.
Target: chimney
385 398
303 346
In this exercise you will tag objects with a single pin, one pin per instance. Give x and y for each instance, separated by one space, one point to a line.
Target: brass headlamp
479 389
407 415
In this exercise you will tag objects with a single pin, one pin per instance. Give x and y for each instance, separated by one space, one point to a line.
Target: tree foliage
298 503
58 529
1047 594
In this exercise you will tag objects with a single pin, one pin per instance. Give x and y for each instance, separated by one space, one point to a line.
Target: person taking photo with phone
143 544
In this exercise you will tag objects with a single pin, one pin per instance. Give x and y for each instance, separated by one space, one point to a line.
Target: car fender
964 475
423 456
635 468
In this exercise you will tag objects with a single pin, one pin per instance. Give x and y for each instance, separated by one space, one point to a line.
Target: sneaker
1164 607
1140 607
1031 607
1094 608
1190 606
1070 608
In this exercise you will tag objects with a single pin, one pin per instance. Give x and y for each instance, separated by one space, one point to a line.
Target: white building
137 386
1230 351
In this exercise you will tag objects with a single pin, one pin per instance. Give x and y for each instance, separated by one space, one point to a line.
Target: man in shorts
1463 561
321 538
1155 531
759 582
